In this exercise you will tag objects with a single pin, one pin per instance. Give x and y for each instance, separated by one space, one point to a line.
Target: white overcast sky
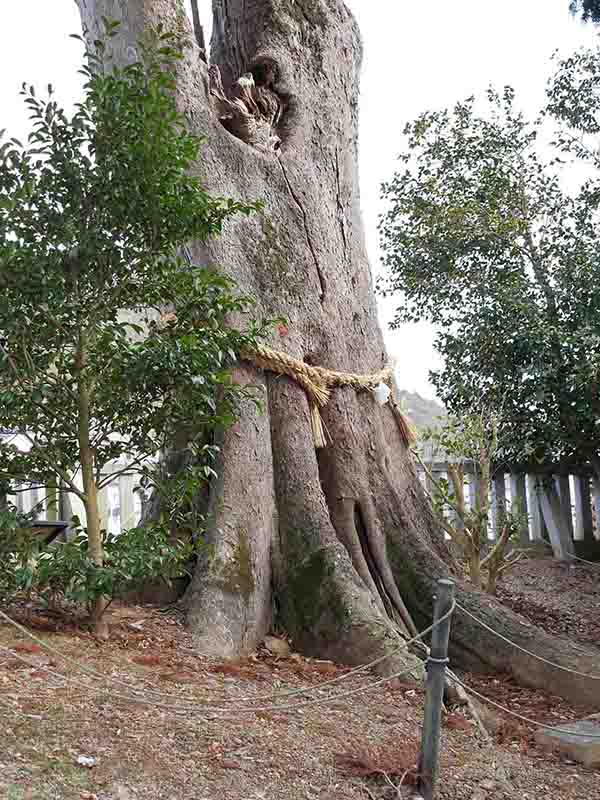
418 55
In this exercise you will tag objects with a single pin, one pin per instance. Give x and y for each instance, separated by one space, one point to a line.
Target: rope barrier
523 649
585 561
50 672
271 709
288 693
521 717
176 709
194 706
313 702
94 673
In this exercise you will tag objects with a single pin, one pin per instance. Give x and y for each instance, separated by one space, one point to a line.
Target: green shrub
65 572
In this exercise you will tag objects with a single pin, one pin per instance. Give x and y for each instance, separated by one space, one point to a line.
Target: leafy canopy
94 212
482 238
588 9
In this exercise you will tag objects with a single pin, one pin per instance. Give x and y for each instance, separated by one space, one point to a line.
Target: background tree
92 211
482 239
588 9
338 541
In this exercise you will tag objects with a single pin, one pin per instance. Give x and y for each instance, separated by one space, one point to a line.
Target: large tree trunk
334 542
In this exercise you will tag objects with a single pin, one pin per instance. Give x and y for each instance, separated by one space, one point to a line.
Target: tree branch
457 476
445 496
498 547
28 487
198 30
39 450
23 381
510 561
127 470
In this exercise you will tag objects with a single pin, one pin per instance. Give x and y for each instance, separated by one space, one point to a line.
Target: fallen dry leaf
27 648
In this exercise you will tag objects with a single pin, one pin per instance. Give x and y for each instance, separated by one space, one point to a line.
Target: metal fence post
436 672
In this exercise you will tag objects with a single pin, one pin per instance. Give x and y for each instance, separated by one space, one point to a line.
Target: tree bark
333 544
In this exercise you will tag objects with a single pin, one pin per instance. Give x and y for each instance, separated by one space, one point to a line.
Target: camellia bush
112 346
64 572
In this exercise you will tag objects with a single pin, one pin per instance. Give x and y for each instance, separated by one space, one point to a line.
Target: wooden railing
561 507
558 506
120 502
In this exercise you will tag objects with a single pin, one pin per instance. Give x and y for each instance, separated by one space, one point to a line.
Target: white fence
563 508
566 507
120 502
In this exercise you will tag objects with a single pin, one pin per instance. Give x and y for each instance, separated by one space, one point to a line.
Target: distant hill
420 410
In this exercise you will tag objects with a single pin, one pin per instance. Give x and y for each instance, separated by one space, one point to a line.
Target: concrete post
563 489
518 503
472 489
596 502
51 503
584 526
65 510
103 508
533 505
19 499
126 484
561 541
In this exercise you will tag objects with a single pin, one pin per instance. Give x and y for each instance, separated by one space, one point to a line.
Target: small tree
93 213
470 445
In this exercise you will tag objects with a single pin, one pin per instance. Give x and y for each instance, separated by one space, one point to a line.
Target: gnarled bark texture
338 541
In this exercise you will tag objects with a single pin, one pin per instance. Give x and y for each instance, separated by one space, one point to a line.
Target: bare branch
498 548
30 486
129 469
445 495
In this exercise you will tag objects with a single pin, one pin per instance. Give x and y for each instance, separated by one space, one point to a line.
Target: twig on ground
465 698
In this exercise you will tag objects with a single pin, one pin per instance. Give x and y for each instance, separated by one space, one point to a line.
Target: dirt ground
563 599
360 746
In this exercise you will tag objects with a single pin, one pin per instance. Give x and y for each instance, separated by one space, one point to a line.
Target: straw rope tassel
318 381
